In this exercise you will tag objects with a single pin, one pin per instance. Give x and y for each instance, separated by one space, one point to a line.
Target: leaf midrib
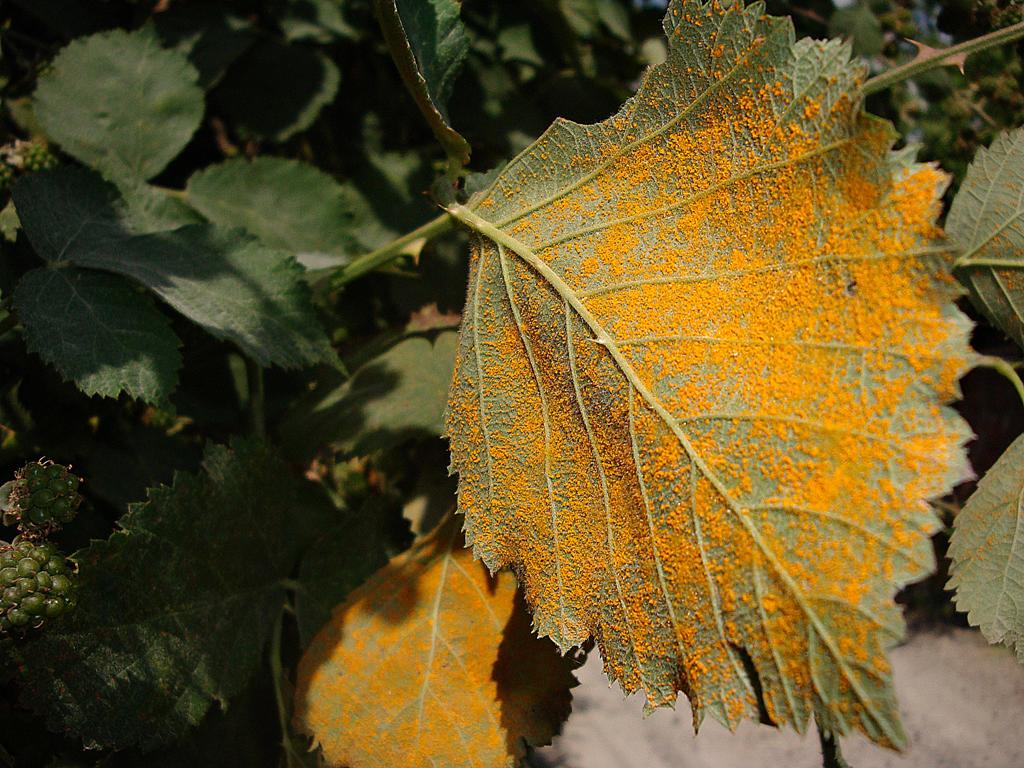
563 289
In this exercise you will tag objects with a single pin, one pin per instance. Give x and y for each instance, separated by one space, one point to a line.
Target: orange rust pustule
431 662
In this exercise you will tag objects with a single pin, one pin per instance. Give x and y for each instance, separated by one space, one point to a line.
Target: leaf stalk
257 417
1007 371
293 758
921 65
368 262
831 754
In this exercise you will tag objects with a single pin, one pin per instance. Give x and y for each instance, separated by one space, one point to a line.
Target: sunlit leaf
987 221
987 550
120 103
432 662
286 204
697 402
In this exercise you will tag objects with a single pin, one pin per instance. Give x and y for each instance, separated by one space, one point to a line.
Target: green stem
1007 371
376 259
292 756
257 417
831 754
919 66
179 194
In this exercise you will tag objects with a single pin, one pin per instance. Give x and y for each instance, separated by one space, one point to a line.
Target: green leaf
429 45
120 103
246 734
345 556
699 395
99 332
986 221
287 204
320 21
394 397
175 610
222 280
582 16
615 16
210 37
858 23
275 90
987 552
149 209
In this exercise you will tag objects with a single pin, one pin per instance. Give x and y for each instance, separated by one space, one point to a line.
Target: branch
929 59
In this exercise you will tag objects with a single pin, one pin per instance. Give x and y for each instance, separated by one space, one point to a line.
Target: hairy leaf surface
432 662
99 332
697 403
987 221
987 550
175 609
222 280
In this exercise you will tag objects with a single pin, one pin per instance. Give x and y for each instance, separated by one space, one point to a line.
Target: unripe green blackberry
35 585
42 497
35 156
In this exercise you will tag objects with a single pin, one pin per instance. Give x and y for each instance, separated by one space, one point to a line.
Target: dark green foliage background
272 444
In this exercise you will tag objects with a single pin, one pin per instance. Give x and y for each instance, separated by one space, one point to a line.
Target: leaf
120 103
394 397
246 733
986 221
222 280
321 21
697 397
615 17
860 24
345 556
583 16
99 333
275 90
149 209
210 37
429 45
287 204
987 553
431 662
175 609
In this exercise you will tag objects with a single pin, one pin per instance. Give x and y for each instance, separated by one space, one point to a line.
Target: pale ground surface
962 703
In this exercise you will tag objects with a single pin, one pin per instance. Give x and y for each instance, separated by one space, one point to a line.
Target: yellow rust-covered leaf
432 663
698 398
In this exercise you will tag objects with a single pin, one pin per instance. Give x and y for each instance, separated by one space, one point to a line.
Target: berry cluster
44 497
35 579
24 157
35 156
35 584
